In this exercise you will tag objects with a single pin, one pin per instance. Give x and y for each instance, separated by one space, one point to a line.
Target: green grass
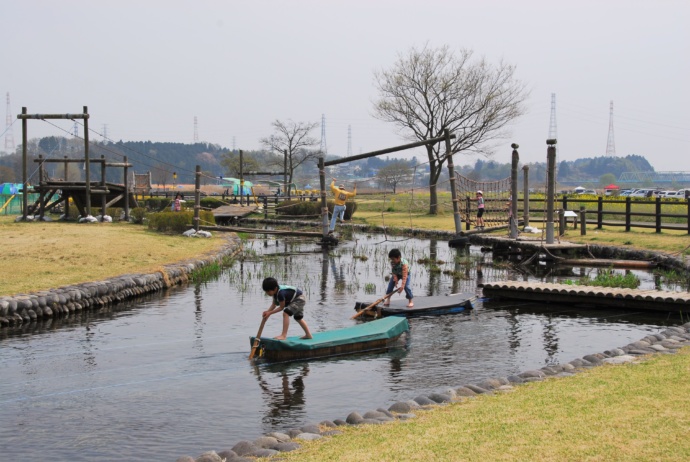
635 412
609 278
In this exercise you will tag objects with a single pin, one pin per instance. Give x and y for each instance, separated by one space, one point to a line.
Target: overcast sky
145 69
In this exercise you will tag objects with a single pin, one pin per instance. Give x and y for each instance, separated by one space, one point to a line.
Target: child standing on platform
400 272
341 197
290 300
480 210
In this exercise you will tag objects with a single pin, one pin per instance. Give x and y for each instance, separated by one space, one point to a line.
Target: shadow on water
169 373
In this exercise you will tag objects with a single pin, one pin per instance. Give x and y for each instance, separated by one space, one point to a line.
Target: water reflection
282 389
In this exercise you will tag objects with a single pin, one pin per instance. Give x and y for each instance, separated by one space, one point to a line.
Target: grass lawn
634 412
45 255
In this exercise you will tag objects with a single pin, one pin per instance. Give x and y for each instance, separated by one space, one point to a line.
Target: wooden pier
608 297
232 213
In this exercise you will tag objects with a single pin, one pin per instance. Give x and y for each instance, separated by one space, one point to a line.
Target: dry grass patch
43 255
669 241
406 220
635 412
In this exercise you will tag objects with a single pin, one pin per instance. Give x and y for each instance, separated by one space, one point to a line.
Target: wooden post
600 212
87 163
41 198
197 197
658 214
25 178
286 193
550 188
583 221
514 192
126 191
64 194
324 203
265 207
525 195
242 178
561 222
104 198
628 206
467 213
453 191
687 201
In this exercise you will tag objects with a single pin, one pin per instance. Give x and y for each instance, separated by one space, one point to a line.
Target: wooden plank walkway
234 211
648 300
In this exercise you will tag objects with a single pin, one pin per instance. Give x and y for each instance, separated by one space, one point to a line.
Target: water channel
168 375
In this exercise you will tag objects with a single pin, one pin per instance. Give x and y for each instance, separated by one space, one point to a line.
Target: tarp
580 188
611 186
381 329
11 188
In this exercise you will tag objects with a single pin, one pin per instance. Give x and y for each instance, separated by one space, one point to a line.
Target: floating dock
609 297
233 212
423 306
362 338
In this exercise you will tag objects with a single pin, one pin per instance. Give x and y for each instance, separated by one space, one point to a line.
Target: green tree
433 89
607 179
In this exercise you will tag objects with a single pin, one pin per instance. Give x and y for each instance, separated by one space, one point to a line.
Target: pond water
168 375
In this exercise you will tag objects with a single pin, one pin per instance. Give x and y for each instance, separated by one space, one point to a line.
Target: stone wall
20 309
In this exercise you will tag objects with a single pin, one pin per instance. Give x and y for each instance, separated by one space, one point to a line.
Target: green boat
378 335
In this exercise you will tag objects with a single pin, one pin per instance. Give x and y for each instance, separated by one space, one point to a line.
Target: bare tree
394 173
231 163
430 90
293 138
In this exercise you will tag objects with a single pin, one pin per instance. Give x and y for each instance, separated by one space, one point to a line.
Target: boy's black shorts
296 307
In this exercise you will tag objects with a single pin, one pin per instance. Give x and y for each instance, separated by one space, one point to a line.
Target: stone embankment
21 309
667 341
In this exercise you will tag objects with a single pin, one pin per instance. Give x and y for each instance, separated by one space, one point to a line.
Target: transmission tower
75 129
553 129
324 147
105 132
610 143
349 140
9 134
196 131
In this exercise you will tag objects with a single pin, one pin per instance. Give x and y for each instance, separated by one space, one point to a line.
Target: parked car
642 193
590 191
674 194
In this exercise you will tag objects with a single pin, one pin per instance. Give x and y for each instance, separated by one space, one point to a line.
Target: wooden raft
648 300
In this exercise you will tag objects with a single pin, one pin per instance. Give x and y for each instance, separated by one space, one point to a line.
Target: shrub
350 208
114 212
137 214
299 208
176 222
211 203
158 204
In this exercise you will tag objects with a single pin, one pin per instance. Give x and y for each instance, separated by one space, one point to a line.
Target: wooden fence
629 212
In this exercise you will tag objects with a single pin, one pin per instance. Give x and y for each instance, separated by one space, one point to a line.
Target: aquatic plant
608 278
369 288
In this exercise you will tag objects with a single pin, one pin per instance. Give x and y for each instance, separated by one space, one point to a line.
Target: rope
496 196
